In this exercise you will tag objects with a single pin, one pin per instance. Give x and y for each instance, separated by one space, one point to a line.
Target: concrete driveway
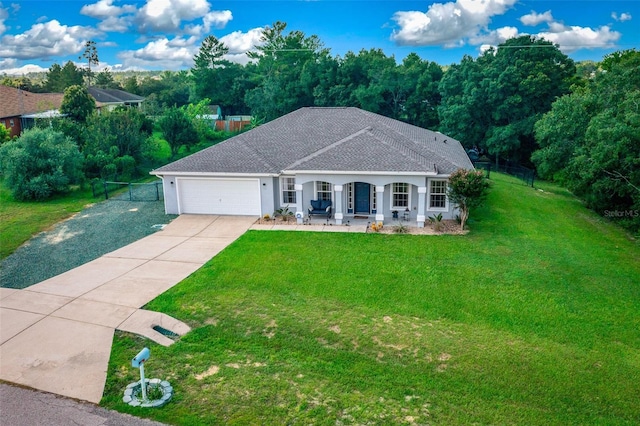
56 335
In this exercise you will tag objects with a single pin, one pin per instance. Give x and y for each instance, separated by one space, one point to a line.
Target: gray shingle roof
113 95
331 139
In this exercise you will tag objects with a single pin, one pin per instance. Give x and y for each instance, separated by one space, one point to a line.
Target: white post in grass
138 362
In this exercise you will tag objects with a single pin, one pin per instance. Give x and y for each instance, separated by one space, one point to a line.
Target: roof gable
331 139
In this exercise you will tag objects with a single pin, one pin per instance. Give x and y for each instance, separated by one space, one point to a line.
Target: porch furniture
320 208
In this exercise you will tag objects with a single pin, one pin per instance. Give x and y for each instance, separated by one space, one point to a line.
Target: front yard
531 318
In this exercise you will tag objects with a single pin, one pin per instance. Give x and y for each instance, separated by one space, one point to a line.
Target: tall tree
59 78
495 101
214 78
280 61
91 55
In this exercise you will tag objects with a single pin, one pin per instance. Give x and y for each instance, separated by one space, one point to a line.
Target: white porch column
422 195
380 203
338 211
299 206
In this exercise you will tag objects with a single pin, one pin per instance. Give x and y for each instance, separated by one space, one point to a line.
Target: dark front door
363 197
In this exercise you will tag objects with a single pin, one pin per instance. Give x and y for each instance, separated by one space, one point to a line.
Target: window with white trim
400 195
438 194
374 203
288 185
324 190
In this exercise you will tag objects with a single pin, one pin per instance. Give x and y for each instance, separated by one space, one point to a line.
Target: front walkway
56 336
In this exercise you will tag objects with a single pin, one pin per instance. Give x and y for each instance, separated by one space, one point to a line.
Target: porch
364 200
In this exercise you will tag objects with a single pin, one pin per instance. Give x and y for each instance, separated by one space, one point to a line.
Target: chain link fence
128 191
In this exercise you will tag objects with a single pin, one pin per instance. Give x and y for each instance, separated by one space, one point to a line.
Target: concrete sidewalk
56 335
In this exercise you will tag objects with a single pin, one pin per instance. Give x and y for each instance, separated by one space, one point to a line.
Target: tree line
522 102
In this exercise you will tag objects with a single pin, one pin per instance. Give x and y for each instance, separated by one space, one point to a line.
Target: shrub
40 163
467 189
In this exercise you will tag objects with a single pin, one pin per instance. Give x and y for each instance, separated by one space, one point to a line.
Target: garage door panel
219 196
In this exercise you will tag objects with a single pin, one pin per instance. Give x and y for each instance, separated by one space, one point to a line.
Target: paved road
26 407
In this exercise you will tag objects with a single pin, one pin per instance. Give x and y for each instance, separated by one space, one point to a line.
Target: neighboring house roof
329 139
16 102
110 96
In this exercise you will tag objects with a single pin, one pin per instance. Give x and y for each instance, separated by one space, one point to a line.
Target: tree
467 189
172 89
207 66
116 143
104 79
590 140
77 103
177 129
131 85
40 164
91 55
5 134
281 60
494 102
59 78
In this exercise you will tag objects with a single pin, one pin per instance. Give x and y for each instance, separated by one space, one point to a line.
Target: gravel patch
95 231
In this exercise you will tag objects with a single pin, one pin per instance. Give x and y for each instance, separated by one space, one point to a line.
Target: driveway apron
56 335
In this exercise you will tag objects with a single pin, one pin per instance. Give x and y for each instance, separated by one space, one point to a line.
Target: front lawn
532 318
20 220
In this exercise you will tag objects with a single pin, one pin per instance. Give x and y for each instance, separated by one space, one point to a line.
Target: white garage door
219 196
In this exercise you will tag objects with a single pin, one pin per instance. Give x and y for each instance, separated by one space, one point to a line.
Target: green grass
20 220
532 318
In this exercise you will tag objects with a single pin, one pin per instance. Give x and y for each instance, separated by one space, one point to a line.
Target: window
11 123
350 197
374 202
399 195
438 194
324 191
288 185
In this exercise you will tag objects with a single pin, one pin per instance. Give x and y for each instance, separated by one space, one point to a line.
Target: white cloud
47 39
167 15
447 23
574 38
113 18
4 14
622 17
116 24
534 18
104 9
495 37
240 43
163 53
9 67
216 19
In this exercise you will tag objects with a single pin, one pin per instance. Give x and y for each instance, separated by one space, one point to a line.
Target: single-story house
19 108
111 98
365 164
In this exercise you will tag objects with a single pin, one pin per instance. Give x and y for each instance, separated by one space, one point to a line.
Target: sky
166 34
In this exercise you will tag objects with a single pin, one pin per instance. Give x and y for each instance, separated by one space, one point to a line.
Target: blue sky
165 34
